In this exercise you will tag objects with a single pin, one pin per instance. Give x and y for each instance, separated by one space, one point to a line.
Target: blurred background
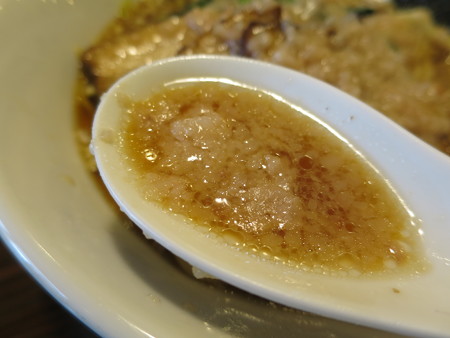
26 310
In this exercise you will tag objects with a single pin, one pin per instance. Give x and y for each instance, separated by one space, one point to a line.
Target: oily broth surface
252 168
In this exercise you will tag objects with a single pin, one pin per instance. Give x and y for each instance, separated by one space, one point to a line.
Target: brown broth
254 169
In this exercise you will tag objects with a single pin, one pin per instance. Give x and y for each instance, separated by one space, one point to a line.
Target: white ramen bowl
59 224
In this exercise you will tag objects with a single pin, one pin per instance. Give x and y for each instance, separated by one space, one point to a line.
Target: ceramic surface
61 227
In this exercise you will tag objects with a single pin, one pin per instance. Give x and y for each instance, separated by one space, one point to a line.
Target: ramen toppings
397 61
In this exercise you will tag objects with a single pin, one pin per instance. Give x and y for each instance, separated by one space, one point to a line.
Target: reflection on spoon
410 303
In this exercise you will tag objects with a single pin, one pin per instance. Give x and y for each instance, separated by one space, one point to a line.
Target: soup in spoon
395 293
267 176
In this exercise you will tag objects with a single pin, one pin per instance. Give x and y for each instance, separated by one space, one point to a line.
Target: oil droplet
150 155
232 237
306 162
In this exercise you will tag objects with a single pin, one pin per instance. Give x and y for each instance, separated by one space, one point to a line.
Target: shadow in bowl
220 305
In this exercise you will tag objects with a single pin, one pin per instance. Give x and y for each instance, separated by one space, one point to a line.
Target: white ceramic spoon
420 304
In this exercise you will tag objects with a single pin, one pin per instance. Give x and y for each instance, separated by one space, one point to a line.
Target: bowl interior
67 234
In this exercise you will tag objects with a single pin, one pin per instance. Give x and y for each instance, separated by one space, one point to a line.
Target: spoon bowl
408 304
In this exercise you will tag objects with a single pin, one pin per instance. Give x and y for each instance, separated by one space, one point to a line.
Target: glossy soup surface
266 177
